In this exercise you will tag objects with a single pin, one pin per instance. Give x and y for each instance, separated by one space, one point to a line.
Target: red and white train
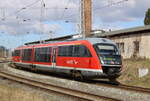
89 57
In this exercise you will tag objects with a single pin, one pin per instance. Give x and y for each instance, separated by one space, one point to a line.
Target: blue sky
31 25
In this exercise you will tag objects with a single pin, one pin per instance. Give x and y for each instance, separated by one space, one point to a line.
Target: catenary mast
86 17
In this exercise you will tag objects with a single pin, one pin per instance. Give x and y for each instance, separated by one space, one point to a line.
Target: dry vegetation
130 75
12 93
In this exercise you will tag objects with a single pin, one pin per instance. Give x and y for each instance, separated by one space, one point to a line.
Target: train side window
62 51
16 53
81 51
85 51
27 55
13 53
70 51
42 54
65 51
74 51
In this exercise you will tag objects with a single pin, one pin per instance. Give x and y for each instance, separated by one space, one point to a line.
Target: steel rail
140 89
65 91
6 61
113 91
126 87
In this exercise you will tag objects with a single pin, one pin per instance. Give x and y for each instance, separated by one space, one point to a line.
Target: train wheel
12 65
33 68
77 75
114 81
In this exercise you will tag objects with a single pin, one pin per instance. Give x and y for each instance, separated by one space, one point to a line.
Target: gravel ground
12 91
89 88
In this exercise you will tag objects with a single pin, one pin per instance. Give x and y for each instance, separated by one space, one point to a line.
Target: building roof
52 39
134 30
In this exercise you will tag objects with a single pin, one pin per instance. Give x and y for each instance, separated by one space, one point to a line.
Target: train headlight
101 59
102 62
112 62
117 62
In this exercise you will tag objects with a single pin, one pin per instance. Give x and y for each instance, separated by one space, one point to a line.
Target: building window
136 47
74 51
42 54
27 55
121 47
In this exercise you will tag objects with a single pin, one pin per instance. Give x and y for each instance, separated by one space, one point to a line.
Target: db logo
72 62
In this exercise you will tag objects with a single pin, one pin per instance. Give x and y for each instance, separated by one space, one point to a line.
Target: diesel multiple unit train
92 58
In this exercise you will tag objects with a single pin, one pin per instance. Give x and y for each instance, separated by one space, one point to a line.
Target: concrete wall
129 46
145 46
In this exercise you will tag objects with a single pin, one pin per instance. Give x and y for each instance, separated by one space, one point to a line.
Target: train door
54 53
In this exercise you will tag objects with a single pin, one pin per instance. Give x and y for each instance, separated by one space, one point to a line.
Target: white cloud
28 20
127 11
46 28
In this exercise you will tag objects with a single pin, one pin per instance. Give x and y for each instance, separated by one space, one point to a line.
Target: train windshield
108 54
107 49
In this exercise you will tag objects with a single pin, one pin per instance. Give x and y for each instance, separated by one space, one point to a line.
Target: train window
65 51
42 54
16 53
27 55
13 53
74 51
107 49
81 51
62 51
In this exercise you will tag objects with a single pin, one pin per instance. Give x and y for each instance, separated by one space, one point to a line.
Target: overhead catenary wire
23 8
2 17
66 18
110 4
64 11
66 8
42 12
100 8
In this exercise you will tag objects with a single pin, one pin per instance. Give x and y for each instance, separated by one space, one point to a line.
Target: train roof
99 40
91 40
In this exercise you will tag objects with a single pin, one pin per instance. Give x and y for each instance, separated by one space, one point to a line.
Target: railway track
65 91
122 86
97 91
140 89
4 61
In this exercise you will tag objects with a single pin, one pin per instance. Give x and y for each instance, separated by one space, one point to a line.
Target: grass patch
130 74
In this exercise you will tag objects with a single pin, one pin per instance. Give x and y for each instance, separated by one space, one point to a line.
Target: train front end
109 57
